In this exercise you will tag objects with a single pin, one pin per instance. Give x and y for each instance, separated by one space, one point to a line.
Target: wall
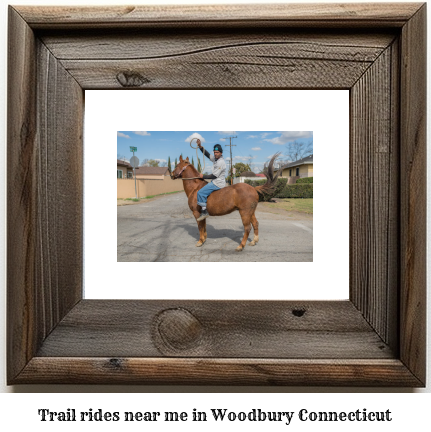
126 187
150 177
304 171
124 169
242 179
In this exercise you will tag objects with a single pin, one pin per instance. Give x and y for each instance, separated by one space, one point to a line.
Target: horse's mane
195 172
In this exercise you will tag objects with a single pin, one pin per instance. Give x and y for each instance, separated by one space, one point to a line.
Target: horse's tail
271 178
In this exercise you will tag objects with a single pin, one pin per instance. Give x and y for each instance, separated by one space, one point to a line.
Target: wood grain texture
227 329
59 179
288 62
21 194
413 194
204 59
375 338
45 105
374 194
197 371
300 14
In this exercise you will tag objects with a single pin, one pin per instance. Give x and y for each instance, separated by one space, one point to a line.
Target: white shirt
219 170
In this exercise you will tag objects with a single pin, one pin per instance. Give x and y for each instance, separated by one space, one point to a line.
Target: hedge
281 184
305 180
301 190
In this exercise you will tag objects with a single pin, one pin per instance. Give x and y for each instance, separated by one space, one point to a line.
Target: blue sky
256 147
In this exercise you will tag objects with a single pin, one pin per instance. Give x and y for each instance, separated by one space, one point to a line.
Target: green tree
199 165
193 163
169 163
150 163
176 162
241 167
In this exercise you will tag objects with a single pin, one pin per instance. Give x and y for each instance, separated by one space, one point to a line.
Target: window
297 172
119 174
130 174
290 173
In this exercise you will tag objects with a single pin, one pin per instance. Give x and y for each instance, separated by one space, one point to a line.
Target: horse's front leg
202 225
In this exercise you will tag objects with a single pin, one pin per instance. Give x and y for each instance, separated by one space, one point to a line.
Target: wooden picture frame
376 338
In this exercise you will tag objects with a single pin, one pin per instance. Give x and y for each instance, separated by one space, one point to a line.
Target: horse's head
178 170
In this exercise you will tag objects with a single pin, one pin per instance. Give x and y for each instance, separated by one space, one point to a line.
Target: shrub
281 184
301 190
305 180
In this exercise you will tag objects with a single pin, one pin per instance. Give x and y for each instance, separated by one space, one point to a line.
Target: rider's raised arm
206 153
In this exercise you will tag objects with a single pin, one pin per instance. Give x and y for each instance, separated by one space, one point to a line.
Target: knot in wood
131 79
178 328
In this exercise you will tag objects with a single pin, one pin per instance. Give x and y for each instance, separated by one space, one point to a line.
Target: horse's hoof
252 243
199 243
239 248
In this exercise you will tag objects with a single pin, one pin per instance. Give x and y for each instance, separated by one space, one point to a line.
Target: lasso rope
197 156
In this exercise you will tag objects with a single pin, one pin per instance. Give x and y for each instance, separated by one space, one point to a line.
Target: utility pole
231 162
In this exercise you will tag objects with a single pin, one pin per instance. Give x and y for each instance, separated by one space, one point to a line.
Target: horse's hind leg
246 221
255 224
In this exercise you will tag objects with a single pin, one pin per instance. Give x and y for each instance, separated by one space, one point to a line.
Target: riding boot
204 215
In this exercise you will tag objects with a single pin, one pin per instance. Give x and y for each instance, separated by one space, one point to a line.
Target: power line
231 162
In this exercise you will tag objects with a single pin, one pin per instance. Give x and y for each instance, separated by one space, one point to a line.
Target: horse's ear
187 160
181 158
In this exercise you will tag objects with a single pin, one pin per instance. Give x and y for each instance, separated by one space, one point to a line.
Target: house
298 169
246 175
152 173
124 169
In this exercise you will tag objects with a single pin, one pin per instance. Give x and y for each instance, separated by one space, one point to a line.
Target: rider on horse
218 177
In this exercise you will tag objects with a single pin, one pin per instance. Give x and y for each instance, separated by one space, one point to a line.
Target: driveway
164 229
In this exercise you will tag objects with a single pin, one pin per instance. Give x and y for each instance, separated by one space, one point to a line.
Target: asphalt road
164 229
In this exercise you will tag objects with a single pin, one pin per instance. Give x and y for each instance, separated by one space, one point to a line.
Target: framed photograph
154 236
376 337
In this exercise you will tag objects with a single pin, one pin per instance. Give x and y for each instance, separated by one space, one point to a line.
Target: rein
189 178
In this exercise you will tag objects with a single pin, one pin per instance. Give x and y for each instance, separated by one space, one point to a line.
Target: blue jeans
205 192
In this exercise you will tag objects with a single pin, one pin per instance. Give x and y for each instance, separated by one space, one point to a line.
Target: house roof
260 175
123 163
247 174
303 161
146 170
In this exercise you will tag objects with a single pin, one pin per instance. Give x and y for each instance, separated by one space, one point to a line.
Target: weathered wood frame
376 338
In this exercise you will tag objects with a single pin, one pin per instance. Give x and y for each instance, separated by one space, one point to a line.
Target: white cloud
195 135
227 133
161 160
265 134
122 135
222 139
286 137
253 136
143 133
256 148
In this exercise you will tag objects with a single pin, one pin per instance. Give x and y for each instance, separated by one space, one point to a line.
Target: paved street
165 230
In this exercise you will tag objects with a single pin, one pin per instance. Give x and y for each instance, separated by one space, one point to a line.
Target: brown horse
241 197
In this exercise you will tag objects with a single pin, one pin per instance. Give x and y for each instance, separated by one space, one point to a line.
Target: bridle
189 178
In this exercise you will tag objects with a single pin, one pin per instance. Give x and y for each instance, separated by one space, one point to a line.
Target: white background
20 410
324 112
